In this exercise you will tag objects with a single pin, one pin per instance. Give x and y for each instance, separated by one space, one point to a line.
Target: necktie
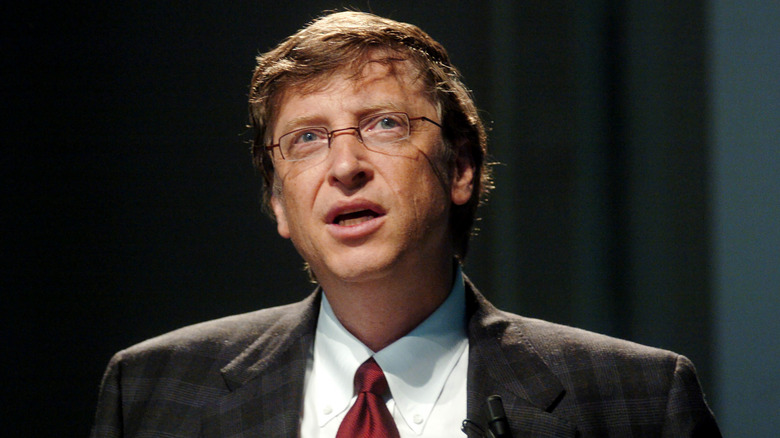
369 416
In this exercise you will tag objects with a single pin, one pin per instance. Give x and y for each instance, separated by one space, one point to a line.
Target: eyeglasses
378 132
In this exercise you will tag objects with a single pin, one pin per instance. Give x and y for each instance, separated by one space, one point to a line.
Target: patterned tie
369 416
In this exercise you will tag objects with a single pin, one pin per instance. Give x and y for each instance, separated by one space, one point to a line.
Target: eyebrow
384 107
302 122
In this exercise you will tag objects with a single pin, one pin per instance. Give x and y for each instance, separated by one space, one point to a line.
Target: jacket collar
502 361
266 379
267 354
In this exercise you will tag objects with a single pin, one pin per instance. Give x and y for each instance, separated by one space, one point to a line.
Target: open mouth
355 218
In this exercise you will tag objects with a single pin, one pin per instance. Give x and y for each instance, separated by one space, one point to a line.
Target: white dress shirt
426 372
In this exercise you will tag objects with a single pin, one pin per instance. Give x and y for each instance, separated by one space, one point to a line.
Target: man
373 158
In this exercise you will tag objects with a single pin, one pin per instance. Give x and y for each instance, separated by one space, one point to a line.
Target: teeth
354 221
355 218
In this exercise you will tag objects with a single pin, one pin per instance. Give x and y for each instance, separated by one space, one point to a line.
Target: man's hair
344 41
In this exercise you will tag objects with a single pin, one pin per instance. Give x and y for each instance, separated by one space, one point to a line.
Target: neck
382 310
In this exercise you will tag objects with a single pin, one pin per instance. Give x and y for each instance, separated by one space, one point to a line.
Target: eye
303 143
388 122
387 126
307 136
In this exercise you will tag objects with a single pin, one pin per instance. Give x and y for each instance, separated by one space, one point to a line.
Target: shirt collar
416 366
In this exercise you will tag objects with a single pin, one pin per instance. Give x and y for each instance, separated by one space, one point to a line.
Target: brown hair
344 40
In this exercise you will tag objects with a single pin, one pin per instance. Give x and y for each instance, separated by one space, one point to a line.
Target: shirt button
418 419
328 410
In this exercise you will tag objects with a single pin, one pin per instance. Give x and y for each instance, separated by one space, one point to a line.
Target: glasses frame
332 133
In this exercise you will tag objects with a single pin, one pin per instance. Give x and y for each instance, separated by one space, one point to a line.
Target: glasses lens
384 130
303 144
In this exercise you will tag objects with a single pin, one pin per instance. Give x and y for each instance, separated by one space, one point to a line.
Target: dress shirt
426 372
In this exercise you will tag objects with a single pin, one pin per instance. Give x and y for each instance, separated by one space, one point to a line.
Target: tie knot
369 416
370 378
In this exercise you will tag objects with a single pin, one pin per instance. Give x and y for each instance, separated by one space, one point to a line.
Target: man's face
356 214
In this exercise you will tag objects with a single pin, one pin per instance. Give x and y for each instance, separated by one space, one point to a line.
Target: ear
462 176
282 226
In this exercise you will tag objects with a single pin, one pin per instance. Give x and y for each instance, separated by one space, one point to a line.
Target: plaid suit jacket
242 376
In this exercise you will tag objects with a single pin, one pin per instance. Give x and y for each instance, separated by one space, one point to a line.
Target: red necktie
369 416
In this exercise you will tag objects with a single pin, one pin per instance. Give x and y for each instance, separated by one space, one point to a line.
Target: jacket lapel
266 379
503 362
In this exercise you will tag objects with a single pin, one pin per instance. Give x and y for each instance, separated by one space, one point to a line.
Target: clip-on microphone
498 425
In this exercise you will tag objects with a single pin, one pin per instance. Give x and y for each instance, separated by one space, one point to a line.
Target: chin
360 267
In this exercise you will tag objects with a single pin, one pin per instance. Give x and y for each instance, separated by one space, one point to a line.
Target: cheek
404 176
417 187
300 187
289 212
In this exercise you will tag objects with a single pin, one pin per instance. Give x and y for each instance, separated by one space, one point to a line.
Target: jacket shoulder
226 336
559 341
173 376
556 343
613 386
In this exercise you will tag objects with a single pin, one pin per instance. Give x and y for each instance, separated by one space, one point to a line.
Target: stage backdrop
630 169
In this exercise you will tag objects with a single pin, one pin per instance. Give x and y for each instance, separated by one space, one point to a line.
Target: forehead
378 76
364 64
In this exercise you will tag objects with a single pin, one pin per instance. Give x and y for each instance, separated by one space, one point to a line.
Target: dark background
636 192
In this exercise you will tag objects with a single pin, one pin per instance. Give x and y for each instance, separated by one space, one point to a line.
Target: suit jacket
242 376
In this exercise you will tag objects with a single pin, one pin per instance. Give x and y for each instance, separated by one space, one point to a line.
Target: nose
348 159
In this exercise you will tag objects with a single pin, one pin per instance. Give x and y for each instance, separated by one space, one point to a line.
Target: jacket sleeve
687 413
108 418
